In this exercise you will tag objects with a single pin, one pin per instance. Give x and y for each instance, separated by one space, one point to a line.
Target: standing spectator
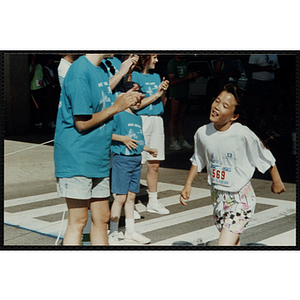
37 90
179 94
264 87
65 62
82 146
127 146
151 110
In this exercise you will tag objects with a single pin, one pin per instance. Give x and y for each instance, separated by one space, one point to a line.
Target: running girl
230 151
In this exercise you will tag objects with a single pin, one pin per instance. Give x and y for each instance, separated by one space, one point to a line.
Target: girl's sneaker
157 207
114 238
136 237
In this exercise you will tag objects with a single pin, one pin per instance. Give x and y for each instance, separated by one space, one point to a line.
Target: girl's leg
115 214
152 175
154 204
100 214
130 233
78 215
228 238
117 207
129 205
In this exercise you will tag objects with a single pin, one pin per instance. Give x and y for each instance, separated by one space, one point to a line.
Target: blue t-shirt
85 91
128 124
116 66
149 84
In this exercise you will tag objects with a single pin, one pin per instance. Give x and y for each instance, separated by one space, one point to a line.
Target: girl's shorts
126 174
233 211
153 130
83 188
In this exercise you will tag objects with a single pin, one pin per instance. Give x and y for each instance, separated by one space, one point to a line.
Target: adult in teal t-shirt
82 146
85 91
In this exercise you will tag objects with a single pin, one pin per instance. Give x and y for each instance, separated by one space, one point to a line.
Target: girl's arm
126 140
160 93
186 192
277 185
126 67
123 101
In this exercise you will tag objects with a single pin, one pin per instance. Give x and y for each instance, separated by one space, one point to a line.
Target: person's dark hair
246 113
143 60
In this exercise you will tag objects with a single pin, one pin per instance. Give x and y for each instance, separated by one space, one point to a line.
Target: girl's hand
153 152
164 85
278 187
185 195
128 65
129 142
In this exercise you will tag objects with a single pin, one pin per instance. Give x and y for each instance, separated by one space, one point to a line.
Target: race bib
221 175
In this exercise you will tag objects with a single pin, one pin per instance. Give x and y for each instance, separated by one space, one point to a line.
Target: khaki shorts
80 187
153 130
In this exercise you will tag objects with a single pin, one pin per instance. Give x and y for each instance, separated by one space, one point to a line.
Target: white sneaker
175 146
136 237
185 145
114 238
157 207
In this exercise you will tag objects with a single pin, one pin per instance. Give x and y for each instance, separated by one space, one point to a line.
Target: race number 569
218 174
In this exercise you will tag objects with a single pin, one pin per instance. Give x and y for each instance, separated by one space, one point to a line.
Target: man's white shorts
153 129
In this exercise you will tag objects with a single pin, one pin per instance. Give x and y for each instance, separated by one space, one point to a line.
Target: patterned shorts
233 211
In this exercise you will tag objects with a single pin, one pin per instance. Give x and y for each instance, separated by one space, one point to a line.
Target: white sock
114 226
129 225
152 197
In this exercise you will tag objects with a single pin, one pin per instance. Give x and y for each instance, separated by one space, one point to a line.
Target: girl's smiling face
222 112
152 62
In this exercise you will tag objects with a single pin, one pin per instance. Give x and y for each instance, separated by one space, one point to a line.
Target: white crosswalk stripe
37 218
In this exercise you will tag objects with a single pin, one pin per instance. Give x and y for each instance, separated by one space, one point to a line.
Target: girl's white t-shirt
230 156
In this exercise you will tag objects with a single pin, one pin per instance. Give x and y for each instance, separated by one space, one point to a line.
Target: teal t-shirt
128 124
113 64
85 91
149 84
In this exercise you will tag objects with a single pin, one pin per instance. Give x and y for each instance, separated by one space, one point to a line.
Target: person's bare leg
116 207
78 215
100 214
228 238
152 175
129 205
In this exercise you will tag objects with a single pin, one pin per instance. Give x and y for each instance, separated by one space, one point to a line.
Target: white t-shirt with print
230 156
